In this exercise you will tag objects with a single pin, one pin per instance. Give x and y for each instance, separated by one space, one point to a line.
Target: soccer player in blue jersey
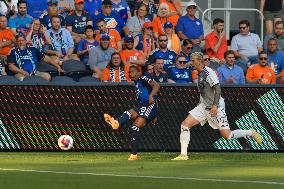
146 110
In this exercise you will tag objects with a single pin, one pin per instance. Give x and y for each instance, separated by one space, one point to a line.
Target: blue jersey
78 23
25 59
168 56
45 20
180 75
143 89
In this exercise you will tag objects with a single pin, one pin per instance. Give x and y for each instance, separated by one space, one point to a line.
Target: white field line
148 177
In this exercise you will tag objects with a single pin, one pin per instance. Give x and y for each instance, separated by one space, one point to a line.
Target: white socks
240 133
184 139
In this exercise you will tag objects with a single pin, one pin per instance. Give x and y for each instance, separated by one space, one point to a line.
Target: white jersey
206 80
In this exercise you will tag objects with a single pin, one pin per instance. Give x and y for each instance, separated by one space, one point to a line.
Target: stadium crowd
95 40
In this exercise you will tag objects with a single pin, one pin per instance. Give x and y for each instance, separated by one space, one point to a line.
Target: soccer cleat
111 121
181 157
256 136
133 157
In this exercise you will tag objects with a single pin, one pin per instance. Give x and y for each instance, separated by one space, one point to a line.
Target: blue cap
129 38
168 25
105 36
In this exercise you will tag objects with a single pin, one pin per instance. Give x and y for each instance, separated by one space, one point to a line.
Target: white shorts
216 122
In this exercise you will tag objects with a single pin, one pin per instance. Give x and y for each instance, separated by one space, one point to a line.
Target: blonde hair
197 55
163 5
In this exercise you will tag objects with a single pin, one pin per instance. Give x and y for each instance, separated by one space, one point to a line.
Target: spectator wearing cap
62 45
130 55
87 44
115 38
189 27
23 60
216 42
100 56
246 45
162 17
21 21
145 41
7 37
52 10
122 9
36 8
93 7
162 51
151 9
135 23
77 21
112 19
173 40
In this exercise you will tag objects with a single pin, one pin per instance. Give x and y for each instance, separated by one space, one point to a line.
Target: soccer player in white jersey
211 108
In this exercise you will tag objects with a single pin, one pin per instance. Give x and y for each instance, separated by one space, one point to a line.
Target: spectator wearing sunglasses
261 73
179 72
186 48
246 45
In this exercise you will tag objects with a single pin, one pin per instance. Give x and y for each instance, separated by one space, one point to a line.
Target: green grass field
97 170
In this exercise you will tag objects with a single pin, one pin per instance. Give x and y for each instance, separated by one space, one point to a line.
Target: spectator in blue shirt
23 60
112 19
77 21
163 52
275 58
122 9
179 72
20 22
52 10
158 74
93 7
230 73
62 45
36 8
189 27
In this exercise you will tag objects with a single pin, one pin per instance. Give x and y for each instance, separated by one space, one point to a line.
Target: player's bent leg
228 134
138 123
189 122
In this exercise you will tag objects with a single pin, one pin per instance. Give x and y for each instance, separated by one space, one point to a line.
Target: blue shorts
149 112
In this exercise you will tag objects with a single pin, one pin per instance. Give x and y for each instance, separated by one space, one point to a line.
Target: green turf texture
263 167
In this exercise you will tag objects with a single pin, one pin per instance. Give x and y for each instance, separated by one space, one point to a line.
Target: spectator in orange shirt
216 42
130 55
175 7
162 17
115 70
261 73
115 38
7 37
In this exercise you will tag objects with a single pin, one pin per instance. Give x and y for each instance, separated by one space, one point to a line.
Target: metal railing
236 9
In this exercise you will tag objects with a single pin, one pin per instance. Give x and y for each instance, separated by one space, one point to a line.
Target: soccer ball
65 142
